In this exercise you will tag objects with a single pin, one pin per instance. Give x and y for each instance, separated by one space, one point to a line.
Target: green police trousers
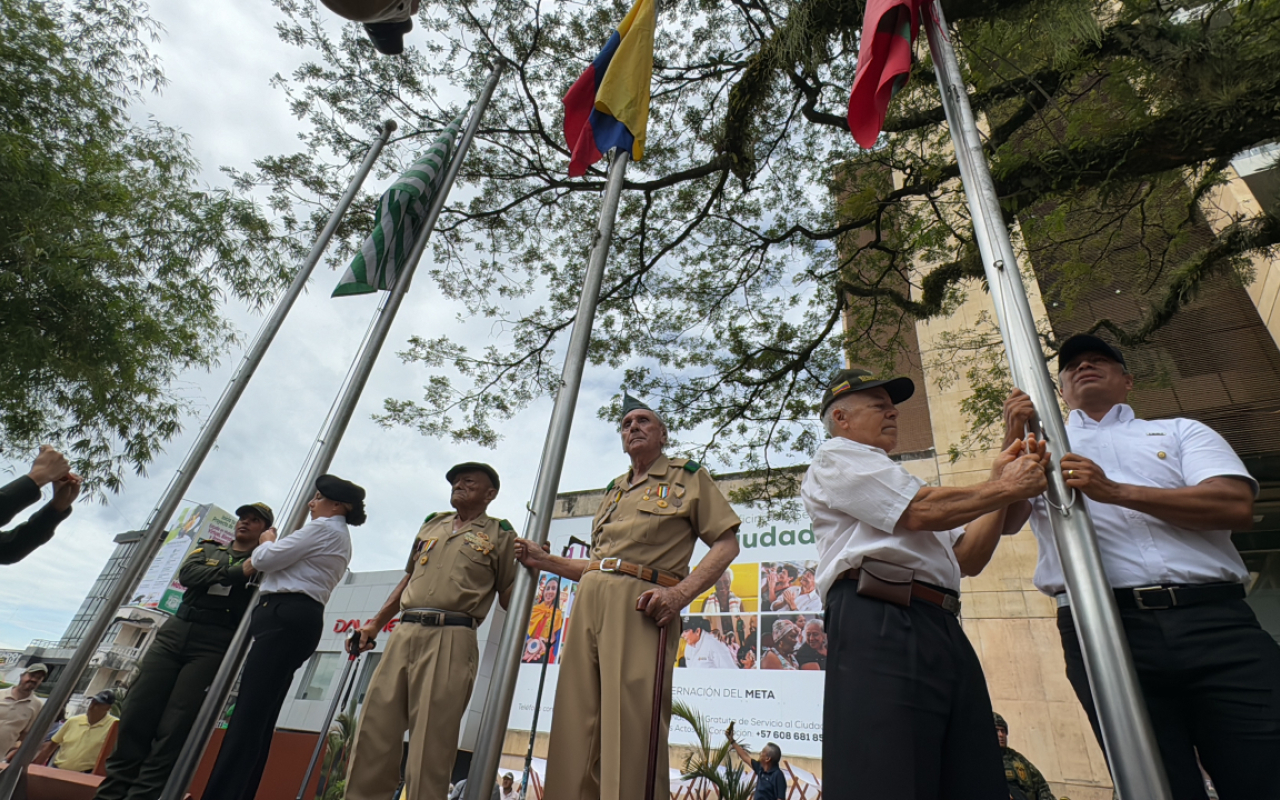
161 707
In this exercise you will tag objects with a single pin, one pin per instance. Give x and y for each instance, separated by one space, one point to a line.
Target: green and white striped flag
399 218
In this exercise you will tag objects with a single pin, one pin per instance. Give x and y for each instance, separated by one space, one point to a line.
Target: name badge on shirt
219 589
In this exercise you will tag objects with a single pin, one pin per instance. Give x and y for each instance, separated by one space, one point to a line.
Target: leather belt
223 618
918 590
1159 598
620 567
435 618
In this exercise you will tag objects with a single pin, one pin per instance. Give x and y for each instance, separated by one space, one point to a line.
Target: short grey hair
773 752
828 423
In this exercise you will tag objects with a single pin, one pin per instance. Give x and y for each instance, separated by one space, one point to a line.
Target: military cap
845 381
473 466
630 404
261 509
1084 343
1000 723
339 490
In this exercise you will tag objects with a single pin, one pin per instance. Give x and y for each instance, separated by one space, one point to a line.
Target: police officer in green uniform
1025 781
176 671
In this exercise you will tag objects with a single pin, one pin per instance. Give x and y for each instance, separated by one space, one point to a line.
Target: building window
318 677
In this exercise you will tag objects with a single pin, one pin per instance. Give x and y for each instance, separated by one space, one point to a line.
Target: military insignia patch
479 542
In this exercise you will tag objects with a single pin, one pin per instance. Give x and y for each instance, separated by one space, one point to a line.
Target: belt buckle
605 566
1139 597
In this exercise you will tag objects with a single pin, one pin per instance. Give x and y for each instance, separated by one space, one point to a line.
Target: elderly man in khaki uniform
642 539
459 561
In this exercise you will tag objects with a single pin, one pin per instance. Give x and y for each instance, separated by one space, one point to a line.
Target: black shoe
388 37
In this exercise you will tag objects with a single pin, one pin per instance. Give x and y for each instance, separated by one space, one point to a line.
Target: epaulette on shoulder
432 516
609 488
504 525
197 550
692 466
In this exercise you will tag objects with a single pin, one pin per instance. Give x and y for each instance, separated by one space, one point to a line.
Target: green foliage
757 248
715 766
113 263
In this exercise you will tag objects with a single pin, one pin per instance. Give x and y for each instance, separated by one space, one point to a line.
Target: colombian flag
608 106
884 64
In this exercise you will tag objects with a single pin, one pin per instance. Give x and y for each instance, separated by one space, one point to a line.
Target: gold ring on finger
1071 473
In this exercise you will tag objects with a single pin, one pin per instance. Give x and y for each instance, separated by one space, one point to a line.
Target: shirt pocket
1155 461
472 569
655 525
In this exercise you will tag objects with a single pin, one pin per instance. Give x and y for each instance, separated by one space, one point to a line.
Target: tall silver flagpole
150 543
497 706
216 696
1126 729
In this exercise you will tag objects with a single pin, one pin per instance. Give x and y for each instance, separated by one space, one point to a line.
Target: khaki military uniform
604 698
426 675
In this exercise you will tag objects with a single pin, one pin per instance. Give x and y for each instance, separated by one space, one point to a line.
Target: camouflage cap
1000 723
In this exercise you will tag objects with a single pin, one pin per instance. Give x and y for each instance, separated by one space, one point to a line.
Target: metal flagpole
497 706
1133 755
150 542
216 696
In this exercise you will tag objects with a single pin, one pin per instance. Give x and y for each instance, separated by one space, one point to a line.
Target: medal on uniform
679 491
479 542
426 549
663 491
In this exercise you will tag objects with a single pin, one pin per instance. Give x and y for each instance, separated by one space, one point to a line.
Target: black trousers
1211 679
161 706
906 712
286 629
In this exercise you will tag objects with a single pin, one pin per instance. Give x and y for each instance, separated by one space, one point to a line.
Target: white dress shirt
311 561
710 653
1138 549
855 494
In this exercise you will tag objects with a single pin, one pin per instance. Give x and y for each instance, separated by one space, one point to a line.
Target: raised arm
535 557
940 508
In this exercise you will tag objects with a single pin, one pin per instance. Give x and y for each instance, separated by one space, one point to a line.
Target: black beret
339 490
473 466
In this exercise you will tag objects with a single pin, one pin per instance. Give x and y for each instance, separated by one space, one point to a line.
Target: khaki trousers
604 698
422 685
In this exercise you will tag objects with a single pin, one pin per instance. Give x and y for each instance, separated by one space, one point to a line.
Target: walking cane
353 653
655 721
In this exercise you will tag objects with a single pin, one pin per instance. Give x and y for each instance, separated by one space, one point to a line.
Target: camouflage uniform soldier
1025 781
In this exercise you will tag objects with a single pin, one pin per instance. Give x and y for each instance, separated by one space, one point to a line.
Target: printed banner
753 648
160 589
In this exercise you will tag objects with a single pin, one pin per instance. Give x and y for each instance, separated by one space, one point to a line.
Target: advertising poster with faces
752 647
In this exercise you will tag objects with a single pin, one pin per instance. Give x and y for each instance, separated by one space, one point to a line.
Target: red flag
888 31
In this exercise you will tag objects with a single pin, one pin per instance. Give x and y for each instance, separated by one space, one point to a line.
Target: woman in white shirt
298 574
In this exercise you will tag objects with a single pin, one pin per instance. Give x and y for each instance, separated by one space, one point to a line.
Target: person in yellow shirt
80 741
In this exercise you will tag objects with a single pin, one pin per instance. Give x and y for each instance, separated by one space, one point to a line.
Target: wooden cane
655 723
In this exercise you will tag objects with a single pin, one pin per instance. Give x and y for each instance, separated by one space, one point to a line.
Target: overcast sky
219 59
